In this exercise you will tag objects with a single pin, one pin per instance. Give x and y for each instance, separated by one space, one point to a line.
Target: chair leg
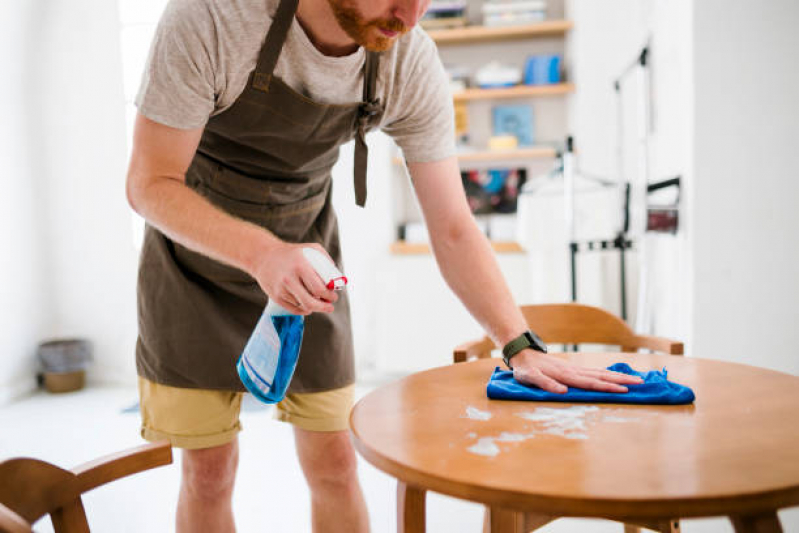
70 518
410 508
763 523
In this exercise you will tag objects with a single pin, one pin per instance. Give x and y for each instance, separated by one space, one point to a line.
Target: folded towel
656 389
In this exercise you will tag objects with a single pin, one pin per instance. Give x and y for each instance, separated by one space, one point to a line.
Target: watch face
535 341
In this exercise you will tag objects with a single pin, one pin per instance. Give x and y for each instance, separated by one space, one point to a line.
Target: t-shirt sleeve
178 83
424 126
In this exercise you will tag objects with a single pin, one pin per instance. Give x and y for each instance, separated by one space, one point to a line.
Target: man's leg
205 423
206 489
330 467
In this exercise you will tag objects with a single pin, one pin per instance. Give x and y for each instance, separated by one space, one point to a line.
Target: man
242 108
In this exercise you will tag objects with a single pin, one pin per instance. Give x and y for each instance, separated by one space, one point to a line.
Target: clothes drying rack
658 218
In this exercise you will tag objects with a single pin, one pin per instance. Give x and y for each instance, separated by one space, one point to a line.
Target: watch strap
528 339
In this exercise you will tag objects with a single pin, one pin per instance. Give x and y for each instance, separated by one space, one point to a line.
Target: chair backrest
33 488
30 488
577 324
573 323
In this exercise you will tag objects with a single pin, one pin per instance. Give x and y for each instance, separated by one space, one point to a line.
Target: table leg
762 523
410 508
664 526
527 523
498 520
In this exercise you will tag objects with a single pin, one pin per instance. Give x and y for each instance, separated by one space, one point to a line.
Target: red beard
366 32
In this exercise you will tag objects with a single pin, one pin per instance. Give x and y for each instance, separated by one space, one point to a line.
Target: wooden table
734 452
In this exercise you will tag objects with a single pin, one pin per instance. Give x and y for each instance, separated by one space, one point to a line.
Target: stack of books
513 12
444 14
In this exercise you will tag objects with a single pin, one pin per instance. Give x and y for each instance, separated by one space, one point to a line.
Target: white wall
745 220
70 261
725 78
24 285
365 237
92 251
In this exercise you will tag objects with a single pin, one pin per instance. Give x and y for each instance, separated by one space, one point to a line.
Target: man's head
376 24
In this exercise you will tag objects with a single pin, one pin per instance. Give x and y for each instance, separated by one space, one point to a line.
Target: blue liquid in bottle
267 363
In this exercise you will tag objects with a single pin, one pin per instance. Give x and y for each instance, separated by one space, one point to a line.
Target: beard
364 32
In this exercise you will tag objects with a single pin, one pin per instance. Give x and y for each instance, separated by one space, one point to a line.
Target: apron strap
275 37
368 108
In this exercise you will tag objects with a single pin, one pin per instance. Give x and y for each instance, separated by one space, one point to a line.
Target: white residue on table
476 414
568 422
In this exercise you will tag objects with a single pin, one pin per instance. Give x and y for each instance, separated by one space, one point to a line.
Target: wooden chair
569 323
30 489
575 324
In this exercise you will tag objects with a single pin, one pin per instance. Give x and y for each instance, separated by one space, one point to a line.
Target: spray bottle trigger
332 277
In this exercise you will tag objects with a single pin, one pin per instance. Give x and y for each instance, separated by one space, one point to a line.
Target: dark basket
64 355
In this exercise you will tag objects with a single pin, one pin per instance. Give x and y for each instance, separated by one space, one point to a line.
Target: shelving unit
518 91
506 43
476 34
531 152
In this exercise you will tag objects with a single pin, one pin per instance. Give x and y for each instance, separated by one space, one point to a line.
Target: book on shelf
513 12
510 6
444 14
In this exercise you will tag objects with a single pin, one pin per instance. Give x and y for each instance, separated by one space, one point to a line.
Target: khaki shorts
198 418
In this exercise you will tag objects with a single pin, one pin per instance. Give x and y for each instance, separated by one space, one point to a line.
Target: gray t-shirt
204 51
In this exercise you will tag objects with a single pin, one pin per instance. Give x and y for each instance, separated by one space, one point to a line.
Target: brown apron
266 159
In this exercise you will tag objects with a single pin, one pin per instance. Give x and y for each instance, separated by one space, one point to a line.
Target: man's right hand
288 278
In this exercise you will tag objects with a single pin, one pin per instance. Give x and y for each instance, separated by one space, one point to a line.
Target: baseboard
14 391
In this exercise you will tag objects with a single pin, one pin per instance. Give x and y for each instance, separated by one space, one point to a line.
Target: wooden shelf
420 248
471 34
518 91
530 152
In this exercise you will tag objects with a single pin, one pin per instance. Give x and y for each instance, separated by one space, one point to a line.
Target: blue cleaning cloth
656 389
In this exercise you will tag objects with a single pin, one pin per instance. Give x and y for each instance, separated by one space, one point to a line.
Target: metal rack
657 218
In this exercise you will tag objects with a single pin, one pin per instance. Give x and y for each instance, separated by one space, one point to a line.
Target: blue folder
656 389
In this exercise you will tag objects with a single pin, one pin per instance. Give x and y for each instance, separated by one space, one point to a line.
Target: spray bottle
267 363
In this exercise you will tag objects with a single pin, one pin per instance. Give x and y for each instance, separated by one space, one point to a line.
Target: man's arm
467 262
156 190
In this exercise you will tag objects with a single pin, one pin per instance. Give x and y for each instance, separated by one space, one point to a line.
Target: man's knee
328 459
209 474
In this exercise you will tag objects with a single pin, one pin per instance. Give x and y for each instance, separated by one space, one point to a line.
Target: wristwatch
528 339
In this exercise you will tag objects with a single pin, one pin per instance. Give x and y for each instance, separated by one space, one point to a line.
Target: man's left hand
553 374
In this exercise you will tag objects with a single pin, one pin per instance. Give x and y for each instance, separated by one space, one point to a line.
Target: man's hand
553 374
288 278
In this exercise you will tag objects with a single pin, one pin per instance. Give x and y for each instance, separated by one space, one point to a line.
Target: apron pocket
287 209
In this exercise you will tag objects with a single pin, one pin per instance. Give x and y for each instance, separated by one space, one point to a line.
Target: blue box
542 70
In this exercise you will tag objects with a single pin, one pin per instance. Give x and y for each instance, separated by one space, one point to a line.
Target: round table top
734 450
